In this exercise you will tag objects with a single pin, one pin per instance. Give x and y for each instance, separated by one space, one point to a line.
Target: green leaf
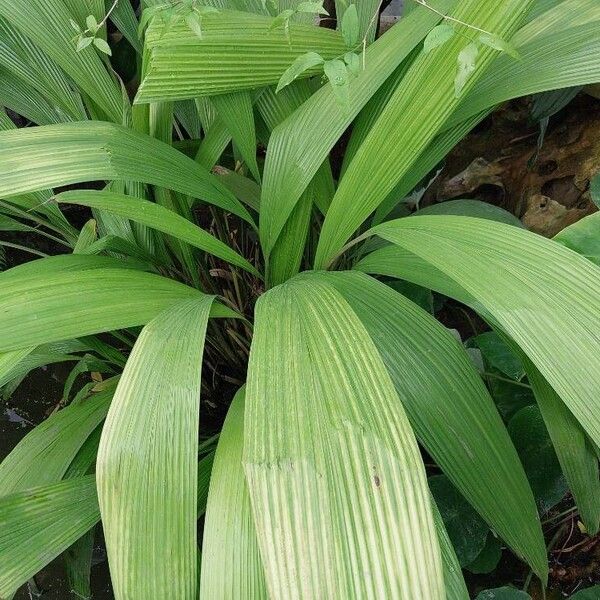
236 52
583 237
539 277
102 46
503 593
591 593
488 558
91 151
72 304
44 454
282 19
398 137
323 450
336 72
194 22
91 23
75 25
311 132
534 446
311 7
300 65
87 236
438 36
230 556
352 61
237 113
350 26
466 529
156 217
499 355
498 43
471 208
147 465
47 518
84 42
467 62
473 438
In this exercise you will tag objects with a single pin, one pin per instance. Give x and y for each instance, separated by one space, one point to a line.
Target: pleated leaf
298 146
156 217
336 480
543 295
416 112
37 308
46 519
44 454
147 467
237 51
231 564
451 411
37 158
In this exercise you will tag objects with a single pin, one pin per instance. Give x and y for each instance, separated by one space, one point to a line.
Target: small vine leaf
75 26
438 36
299 66
352 61
316 8
194 22
497 43
350 26
336 72
102 46
467 60
282 18
84 42
92 24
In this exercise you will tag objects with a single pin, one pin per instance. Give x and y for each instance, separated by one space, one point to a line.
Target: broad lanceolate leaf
46 23
367 13
156 217
231 564
418 110
147 464
44 455
330 459
48 519
450 410
438 36
237 51
37 308
547 300
37 158
583 237
299 146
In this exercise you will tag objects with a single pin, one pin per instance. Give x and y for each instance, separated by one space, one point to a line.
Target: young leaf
497 43
352 61
299 66
337 74
312 8
84 42
75 26
102 46
466 66
283 18
194 22
350 26
438 36
91 24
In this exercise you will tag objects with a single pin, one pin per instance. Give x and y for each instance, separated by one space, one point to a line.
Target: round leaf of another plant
499 355
592 593
471 208
509 397
503 593
583 236
531 439
488 558
466 529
